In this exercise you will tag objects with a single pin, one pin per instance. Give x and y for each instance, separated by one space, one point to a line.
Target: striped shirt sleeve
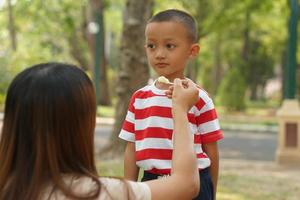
207 120
127 131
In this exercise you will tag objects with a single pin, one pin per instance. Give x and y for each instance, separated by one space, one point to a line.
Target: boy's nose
160 54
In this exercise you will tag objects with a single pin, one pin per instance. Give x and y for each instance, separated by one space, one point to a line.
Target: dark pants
206 186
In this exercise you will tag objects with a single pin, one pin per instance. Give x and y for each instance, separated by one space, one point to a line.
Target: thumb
177 82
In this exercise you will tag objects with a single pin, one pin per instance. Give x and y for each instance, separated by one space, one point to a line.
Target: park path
247 145
235 145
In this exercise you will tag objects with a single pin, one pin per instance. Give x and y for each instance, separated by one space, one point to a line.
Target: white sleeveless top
111 188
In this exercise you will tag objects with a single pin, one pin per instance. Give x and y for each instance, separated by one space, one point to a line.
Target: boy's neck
171 79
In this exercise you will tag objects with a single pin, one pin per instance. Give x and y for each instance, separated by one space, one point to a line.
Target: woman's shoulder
122 189
111 188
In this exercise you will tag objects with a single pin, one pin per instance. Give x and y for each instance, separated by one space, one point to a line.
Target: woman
47 141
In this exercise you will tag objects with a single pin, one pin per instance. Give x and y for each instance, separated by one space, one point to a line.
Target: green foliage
205 79
113 26
226 20
42 29
259 68
46 31
232 91
160 5
5 77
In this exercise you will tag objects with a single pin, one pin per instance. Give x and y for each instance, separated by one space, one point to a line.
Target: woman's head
48 126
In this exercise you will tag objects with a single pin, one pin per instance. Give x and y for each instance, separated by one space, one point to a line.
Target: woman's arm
184 181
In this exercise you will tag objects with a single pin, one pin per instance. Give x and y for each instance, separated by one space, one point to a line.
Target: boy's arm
212 151
131 170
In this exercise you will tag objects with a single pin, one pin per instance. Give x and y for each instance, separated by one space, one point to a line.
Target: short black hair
178 16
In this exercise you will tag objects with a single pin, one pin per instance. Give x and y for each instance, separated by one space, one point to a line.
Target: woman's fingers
185 93
185 83
169 92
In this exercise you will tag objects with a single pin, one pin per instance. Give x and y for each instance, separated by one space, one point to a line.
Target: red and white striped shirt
149 125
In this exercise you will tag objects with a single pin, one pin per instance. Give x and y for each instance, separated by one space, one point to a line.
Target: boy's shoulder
142 91
203 94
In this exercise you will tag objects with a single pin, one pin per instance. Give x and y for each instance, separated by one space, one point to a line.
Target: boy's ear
195 48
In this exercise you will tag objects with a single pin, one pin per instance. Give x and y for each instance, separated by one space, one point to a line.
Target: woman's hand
184 94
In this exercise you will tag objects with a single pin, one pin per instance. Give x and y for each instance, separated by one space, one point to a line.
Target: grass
105 111
248 180
248 187
241 180
111 168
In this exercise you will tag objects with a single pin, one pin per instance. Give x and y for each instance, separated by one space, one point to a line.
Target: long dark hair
48 128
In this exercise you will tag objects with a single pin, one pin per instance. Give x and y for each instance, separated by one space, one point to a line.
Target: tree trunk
217 69
134 71
96 7
253 92
76 51
11 26
245 51
246 44
283 73
298 81
76 41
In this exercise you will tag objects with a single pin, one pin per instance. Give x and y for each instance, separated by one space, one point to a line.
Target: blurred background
242 62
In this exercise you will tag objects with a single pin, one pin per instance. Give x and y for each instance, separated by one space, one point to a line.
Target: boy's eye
150 46
170 46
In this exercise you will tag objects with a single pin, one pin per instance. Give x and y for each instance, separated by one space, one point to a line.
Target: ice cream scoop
163 79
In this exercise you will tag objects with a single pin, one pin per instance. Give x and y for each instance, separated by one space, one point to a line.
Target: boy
171 41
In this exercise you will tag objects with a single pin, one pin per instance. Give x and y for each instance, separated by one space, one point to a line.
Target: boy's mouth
161 65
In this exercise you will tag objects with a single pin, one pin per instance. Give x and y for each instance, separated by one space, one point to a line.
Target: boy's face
168 48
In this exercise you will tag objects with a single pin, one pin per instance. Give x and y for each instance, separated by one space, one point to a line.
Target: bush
5 78
232 91
2 100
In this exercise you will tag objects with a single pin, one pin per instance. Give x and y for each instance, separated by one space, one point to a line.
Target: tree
201 11
11 26
211 19
96 10
134 71
232 90
260 68
74 35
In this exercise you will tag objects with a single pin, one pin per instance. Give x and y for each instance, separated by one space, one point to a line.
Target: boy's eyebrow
170 39
165 39
149 39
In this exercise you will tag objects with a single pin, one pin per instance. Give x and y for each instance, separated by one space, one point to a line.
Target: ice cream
163 79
